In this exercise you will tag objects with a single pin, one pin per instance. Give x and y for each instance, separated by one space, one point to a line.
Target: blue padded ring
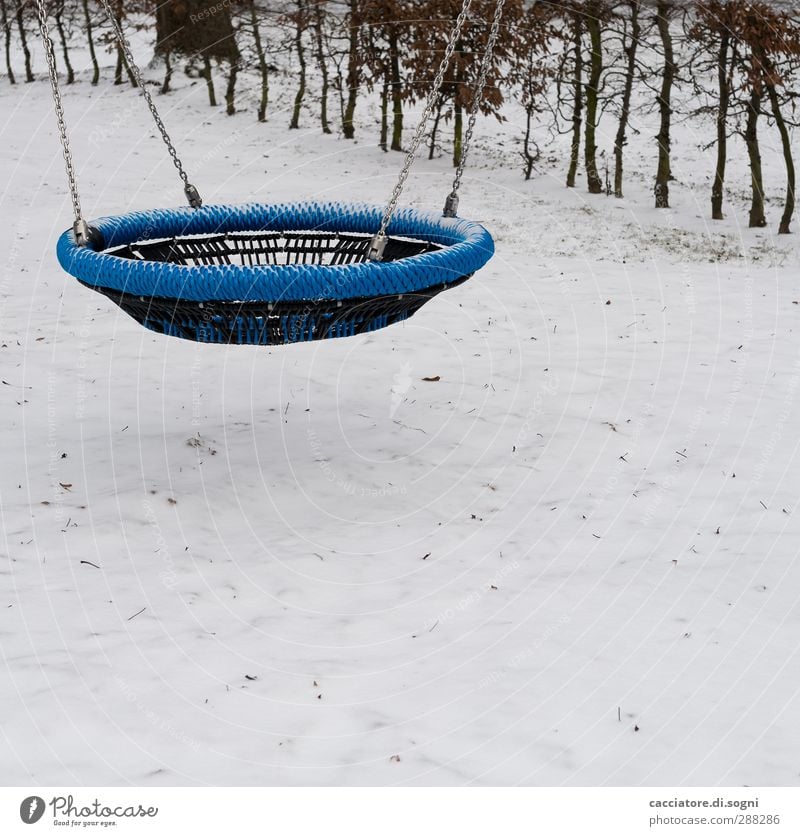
467 246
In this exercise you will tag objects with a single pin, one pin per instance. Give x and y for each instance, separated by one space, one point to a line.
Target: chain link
59 109
451 205
379 242
189 189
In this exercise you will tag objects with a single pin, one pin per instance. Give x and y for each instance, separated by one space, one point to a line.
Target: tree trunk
23 40
757 216
167 73
788 207
595 70
665 110
718 189
353 72
457 132
625 109
323 68
301 57
435 129
59 19
458 109
87 18
528 158
397 90
7 35
119 13
207 74
384 142
577 102
263 68
230 90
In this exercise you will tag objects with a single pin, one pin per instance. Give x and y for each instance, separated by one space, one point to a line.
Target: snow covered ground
570 560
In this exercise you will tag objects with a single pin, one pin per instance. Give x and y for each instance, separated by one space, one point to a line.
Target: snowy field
570 560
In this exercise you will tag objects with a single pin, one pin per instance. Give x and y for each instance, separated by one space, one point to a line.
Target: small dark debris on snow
395 758
89 563
433 379
172 501
136 613
251 678
636 728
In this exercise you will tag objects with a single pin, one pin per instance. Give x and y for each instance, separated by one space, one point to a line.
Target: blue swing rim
466 246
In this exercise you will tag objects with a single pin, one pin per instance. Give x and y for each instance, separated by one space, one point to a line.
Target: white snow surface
570 560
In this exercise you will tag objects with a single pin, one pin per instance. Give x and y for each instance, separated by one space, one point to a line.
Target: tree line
730 66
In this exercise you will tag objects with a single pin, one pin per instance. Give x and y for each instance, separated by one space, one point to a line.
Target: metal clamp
377 246
451 206
193 196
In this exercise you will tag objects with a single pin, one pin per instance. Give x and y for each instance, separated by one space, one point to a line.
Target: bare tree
713 29
261 58
664 10
630 45
774 39
23 40
595 14
87 20
7 37
574 26
299 18
320 14
353 21
530 73
58 14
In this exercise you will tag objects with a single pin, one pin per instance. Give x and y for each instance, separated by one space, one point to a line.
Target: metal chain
192 195
59 109
379 241
451 204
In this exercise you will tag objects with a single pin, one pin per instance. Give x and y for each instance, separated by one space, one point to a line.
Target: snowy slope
311 566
